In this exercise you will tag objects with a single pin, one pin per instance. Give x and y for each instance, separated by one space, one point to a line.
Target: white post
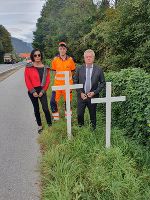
108 115
108 100
67 87
68 105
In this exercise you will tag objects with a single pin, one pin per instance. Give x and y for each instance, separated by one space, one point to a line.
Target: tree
121 36
128 35
5 42
5 39
1 52
66 20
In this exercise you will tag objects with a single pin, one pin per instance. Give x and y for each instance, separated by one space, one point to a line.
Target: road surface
19 150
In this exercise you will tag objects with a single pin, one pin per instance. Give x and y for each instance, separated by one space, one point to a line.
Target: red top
32 78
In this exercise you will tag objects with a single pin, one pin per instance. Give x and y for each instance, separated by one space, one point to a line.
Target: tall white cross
108 100
67 87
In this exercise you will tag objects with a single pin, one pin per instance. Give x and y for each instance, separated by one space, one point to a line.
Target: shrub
134 113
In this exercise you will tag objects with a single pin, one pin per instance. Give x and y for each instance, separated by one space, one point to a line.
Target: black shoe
49 125
40 129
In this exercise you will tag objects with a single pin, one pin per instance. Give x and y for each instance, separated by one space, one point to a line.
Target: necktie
88 80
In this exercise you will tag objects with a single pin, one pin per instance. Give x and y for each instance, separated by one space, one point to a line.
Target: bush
134 113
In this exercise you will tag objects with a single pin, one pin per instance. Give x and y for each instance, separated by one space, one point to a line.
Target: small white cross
67 87
108 100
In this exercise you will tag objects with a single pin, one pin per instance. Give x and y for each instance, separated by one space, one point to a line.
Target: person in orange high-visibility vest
62 62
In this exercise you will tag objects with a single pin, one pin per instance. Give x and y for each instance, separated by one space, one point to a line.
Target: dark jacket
97 79
32 78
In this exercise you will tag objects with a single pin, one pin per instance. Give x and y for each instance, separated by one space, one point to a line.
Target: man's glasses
37 55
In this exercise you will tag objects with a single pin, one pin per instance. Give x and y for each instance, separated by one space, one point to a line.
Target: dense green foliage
61 20
120 35
133 114
5 42
121 39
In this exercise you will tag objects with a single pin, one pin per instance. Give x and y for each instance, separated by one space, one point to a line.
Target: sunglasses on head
37 55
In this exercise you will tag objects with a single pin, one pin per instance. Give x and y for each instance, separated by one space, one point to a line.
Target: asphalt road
19 150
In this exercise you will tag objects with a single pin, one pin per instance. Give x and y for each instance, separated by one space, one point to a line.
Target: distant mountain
20 46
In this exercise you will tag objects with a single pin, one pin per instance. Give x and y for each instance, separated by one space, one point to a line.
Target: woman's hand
40 94
35 94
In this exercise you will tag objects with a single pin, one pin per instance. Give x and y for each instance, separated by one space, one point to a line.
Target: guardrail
11 68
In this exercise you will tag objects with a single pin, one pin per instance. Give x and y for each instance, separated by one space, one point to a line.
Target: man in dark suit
92 78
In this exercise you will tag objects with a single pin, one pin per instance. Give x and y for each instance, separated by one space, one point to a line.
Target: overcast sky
19 17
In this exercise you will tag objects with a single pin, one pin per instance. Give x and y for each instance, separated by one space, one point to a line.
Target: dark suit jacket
97 79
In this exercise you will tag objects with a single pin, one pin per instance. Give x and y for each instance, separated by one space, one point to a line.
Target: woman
37 79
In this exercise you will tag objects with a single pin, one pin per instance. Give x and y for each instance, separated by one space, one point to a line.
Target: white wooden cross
108 100
67 87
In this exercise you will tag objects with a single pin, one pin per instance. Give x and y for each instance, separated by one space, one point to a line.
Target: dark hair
32 54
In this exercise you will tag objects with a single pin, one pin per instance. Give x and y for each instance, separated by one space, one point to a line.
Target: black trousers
81 105
35 102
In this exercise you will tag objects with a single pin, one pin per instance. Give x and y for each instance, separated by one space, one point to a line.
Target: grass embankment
82 169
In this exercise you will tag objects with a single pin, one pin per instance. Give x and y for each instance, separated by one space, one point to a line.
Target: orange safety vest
60 65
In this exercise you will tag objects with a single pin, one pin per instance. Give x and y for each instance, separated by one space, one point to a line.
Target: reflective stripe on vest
56 118
62 78
55 114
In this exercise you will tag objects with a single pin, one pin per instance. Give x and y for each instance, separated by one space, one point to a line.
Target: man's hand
83 96
90 94
35 94
40 94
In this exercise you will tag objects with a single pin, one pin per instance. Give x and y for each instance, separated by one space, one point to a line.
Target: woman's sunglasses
37 55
